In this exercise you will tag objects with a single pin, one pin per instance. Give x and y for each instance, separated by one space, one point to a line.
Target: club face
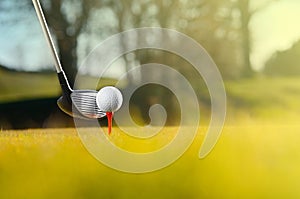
85 102
83 107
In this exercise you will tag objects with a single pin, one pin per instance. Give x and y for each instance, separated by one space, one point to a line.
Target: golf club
84 101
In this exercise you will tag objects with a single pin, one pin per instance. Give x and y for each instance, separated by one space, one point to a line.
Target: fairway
249 161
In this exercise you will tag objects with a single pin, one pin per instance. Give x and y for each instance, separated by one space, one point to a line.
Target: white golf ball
109 99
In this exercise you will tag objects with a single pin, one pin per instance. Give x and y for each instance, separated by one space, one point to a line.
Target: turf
248 162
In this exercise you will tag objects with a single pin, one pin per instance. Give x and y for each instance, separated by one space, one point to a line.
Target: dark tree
244 6
284 63
67 24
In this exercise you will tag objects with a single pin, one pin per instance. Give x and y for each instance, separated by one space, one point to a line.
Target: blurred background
255 44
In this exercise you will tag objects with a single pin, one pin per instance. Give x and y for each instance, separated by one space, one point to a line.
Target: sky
20 45
274 28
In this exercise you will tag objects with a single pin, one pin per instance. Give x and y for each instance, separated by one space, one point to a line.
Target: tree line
221 26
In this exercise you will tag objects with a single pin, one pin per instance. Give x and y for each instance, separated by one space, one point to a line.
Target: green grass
15 86
248 162
264 100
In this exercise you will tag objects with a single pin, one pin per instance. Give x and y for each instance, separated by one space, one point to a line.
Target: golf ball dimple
109 99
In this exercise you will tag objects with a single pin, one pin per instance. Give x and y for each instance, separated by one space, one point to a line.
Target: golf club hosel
64 84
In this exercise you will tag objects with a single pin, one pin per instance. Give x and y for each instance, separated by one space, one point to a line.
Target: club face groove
85 102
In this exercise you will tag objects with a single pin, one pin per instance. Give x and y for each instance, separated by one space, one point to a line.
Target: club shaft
47 34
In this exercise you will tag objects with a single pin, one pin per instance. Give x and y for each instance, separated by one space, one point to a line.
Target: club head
78 103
